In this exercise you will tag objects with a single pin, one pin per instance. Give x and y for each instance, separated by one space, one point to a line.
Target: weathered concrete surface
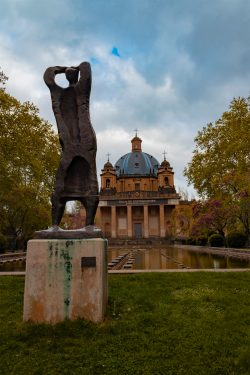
57 287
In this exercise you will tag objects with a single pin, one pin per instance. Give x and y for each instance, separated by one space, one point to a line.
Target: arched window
108 183
166 181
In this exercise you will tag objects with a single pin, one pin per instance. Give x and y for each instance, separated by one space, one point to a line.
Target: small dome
136 163
136 138
108 165
165 164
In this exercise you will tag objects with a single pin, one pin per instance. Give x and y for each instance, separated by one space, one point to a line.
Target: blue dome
136 163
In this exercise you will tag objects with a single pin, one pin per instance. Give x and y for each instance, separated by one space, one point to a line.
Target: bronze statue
76 177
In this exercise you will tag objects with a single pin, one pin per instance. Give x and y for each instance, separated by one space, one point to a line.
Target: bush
201 241
3 243
216 240
191 241
236 239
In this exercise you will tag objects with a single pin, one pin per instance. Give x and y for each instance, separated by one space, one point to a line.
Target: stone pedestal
66 279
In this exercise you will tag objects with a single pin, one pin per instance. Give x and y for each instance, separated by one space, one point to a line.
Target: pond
13 266
167 257
170 257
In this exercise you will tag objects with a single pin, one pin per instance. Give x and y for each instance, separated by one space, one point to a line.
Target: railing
166 193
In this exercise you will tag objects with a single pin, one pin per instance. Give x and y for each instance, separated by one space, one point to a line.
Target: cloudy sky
165 67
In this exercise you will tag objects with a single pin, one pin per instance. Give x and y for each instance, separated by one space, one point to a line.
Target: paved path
227 251
124 272
183 270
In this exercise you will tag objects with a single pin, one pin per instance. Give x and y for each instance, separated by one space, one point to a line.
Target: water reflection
160 258
13 266
172 258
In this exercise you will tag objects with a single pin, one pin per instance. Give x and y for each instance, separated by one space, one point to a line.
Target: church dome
136 163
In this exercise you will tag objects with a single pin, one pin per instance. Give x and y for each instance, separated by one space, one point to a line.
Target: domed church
137 196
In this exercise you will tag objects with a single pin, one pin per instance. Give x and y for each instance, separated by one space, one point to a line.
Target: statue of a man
76 177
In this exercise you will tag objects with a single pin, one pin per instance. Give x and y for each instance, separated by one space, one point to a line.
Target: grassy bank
156 324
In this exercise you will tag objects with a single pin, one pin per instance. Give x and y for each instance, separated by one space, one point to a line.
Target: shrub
3 243
191 241
201 241
236 239
216 240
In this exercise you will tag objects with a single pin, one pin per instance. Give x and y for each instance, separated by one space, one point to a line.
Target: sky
164 67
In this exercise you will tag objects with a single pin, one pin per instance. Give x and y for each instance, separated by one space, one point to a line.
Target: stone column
145 209
129 218
162 221
98 218
147 259
113 221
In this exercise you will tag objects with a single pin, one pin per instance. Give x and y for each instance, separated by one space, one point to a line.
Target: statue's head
71 75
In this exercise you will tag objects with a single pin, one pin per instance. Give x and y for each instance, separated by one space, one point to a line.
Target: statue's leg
61 173
58 206
58 203
90 204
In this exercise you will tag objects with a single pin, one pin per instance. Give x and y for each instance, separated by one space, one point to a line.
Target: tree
29 155
220 167
75 218
181 220
211 216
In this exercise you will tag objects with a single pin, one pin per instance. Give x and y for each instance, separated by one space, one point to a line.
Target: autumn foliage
29 155
220 172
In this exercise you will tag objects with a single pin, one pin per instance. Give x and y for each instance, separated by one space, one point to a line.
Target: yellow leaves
29 156
221 149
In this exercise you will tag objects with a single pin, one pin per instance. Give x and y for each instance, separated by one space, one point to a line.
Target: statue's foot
54 228
91 228
55 232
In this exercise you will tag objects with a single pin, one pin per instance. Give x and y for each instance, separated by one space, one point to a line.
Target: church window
137 186
166 181
108 183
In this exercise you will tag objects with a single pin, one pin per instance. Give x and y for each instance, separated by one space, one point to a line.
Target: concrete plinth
66 279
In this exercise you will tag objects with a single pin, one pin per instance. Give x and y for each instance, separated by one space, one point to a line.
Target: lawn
167 323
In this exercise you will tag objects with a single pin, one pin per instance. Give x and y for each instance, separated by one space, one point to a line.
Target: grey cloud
201 48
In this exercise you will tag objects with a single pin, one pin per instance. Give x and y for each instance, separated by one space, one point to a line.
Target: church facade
137 196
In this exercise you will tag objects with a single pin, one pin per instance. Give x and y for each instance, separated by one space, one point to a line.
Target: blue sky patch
115 52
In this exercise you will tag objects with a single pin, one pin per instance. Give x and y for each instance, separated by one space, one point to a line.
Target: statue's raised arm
85 78
56 93
50 73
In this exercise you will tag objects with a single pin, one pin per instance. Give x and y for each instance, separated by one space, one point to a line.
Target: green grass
195 323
